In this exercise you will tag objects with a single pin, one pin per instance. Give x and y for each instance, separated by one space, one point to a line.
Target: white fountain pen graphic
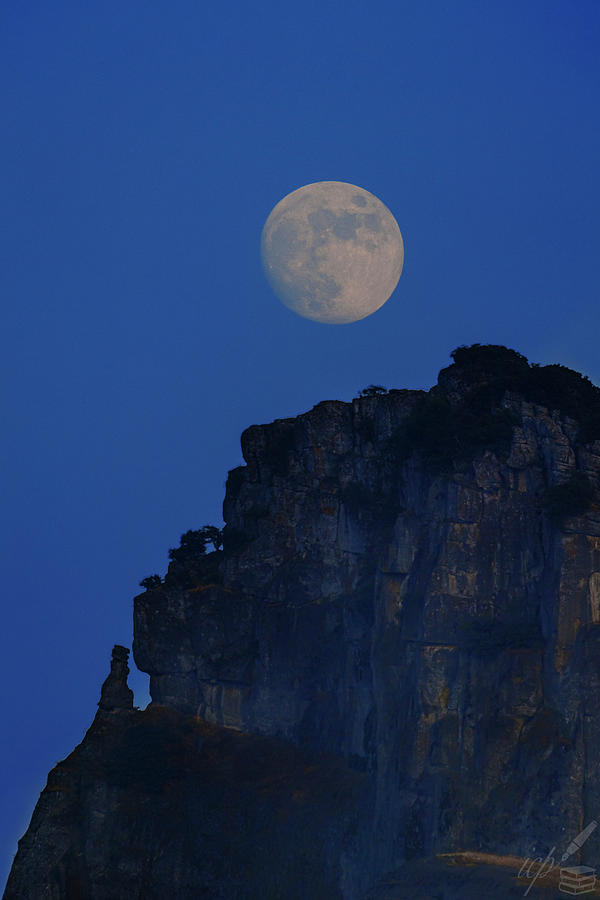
578 842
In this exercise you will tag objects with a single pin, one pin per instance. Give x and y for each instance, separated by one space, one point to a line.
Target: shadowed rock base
156 805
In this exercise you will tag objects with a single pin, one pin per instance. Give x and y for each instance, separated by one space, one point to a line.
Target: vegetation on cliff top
462 416
374 390
190 563
553 386
444 433
571 498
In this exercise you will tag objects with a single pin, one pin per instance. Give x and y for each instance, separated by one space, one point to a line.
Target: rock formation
115 693
395 655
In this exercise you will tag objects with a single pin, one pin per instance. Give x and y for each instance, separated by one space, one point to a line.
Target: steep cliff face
437 630
411 584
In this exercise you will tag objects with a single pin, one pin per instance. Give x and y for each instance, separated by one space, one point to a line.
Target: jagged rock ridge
410 583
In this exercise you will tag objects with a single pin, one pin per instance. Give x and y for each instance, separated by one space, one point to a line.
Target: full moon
332 252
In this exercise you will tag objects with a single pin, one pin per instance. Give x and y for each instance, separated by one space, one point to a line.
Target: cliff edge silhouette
390 665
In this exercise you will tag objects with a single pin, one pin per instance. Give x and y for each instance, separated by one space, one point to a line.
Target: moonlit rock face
332 252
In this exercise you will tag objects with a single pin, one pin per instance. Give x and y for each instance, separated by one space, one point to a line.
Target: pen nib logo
573 879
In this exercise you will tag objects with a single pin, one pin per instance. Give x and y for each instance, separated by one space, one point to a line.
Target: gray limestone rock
431 628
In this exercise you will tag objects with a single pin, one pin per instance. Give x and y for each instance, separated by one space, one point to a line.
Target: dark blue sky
144 145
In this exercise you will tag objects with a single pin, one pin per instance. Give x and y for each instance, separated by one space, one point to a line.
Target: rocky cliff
396 655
